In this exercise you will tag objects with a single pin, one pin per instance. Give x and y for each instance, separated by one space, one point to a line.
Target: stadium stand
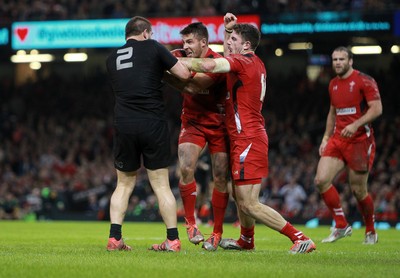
56 131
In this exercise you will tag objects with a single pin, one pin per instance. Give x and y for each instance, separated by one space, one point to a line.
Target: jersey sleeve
370 88
167 58
234 62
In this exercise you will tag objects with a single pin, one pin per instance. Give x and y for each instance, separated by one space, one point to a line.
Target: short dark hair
198 29
136 25
345 49
249 33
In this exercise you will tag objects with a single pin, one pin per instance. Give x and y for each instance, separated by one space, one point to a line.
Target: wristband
228 31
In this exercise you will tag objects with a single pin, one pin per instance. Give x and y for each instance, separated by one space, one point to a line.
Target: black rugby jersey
136 70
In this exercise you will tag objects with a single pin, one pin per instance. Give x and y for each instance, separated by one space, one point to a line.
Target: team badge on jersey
352 83
182 132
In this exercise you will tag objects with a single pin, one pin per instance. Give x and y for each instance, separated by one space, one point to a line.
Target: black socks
172 233
115 231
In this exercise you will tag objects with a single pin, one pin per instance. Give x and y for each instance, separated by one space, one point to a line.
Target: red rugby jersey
207 108
349 97
246 91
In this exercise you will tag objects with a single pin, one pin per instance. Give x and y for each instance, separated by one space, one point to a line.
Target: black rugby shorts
149 139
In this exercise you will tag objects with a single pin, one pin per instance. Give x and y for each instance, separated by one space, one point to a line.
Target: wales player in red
246 82
202 126
349 143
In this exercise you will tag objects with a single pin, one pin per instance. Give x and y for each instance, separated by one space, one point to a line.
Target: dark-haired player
202 125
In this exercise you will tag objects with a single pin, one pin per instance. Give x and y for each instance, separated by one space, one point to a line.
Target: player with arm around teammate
202 115
246 82
136 70
348 142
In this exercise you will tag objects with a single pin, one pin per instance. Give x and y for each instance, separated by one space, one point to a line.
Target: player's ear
247 45
146 34
203 42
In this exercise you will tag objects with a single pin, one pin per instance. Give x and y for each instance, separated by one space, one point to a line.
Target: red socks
332 201
219 203
292 233
246 240
366 207
188 195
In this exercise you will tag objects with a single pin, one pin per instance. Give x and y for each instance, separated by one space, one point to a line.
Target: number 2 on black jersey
122 61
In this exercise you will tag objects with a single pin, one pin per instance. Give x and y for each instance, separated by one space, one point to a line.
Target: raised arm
229 21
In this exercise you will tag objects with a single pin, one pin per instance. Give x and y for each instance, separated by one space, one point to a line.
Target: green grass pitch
77 249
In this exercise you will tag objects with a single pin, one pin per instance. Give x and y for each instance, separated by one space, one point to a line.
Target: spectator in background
34 203
349 142
9 207
293 197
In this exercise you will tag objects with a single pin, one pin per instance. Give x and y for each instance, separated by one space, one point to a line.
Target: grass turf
77 249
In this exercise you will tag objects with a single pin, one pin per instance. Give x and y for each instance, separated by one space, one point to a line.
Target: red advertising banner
64 34
166 30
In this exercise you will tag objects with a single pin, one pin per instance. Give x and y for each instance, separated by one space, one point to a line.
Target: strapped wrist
228 30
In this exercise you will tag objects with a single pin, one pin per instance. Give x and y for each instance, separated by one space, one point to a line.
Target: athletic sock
115 231
219 201
188 195
246 239
332 201
172 233
366 207
292 233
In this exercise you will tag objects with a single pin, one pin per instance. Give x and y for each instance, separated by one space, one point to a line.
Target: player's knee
359 192
320 183
187 171
220 182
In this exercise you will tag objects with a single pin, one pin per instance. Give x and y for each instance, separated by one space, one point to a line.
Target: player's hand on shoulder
178 52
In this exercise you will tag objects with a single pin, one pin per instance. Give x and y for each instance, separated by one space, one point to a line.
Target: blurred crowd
56 131
22 10
56 149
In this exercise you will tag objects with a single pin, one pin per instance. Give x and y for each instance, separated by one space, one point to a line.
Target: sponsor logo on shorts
346 111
